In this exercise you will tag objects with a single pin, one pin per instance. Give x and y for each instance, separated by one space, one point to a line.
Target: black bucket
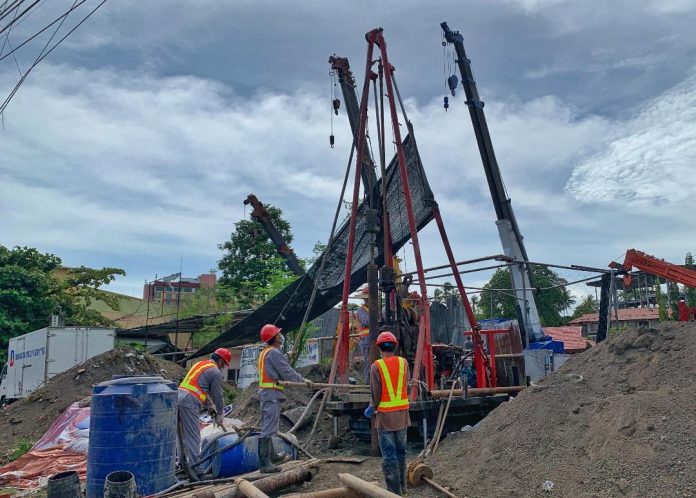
64 485
120 484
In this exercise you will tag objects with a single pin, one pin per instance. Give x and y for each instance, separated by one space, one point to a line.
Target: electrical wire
17 18
63 16
44 55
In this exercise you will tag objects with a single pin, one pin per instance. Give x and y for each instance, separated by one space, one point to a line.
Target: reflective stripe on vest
190 382
394 395
265 382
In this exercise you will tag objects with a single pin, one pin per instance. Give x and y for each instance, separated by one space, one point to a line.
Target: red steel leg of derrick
479 355
375 37
342 345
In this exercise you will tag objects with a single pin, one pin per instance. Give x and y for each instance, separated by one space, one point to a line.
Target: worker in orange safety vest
201 388
389 397
273 367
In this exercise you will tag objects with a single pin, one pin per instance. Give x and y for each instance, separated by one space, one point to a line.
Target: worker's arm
375 385
212 380
279 363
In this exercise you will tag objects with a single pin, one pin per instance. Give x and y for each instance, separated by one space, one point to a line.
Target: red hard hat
269 331
225 354
386 337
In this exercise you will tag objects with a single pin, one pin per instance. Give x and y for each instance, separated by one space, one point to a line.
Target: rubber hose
223 449
307 411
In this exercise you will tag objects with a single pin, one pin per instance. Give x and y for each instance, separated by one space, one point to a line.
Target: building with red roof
628 317
570 336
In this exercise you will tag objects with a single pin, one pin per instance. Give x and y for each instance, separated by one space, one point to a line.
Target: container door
98 341
62 351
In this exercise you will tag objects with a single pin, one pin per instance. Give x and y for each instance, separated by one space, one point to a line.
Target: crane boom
260 214
655 266
508 229
350 97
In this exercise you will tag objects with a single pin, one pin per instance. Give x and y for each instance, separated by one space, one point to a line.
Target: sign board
248 365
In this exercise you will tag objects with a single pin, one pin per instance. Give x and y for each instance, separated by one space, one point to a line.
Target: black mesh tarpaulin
287 308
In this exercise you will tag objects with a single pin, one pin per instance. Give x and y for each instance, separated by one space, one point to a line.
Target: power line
17 18
42 57
14 6
57 19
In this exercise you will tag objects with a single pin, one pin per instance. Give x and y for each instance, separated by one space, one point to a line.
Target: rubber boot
402 476
265 452
391 478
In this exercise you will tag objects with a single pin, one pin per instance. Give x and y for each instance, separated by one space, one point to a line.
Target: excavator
661 268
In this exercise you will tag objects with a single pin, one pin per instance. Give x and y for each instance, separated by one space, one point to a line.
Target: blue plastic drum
133 428
240 458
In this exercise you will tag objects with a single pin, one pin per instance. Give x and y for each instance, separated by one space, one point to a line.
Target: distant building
168 289
571 337
628 317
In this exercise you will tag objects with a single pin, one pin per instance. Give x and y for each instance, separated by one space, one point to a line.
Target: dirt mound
29 418
617 420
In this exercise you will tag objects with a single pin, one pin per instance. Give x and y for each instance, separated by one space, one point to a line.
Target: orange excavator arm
655 266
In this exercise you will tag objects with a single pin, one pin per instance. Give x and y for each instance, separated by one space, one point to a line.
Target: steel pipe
476 391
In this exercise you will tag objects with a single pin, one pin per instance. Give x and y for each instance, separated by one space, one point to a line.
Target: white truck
35 357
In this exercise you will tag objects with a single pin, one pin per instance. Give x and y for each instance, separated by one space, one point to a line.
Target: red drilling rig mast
484 362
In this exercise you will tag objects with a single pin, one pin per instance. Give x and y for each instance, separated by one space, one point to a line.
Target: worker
389 394
273 367
362 315
201 388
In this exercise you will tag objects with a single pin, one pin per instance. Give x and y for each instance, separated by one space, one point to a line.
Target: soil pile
29 418
617 420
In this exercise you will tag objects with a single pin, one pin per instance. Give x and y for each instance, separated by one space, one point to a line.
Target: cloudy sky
135 142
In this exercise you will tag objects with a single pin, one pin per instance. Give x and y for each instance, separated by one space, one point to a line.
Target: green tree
588 305
440 295
30 292
690 291
551 297
250 261
661 301
673 294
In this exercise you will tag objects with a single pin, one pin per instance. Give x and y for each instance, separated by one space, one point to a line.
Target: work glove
212 411
369 411
309 383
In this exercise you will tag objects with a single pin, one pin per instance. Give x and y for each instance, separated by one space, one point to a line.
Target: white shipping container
35 357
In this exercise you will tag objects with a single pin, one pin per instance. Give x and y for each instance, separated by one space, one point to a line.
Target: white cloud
648 161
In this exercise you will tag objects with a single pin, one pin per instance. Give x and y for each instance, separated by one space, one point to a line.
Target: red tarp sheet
63 447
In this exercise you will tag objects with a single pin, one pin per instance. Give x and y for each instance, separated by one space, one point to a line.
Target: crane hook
336 105
331 140
446 103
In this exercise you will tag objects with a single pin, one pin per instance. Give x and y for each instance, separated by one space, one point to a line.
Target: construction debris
364 487
29 418
419 473
616 420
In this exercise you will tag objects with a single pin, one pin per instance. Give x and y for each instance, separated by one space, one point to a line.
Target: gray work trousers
188 412
270 418
364 345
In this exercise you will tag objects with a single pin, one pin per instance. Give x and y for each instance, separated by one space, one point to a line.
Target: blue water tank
240 458
133 428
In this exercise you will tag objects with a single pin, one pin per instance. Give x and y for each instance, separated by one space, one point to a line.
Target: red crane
661 268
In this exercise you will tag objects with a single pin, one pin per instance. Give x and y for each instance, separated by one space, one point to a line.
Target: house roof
625 315
571 336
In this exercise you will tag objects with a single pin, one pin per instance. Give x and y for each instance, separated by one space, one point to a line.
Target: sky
134 143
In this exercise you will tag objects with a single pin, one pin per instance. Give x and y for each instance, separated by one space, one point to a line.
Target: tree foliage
661 302
440 295
250 262
30 292
498 300
690 292
588 305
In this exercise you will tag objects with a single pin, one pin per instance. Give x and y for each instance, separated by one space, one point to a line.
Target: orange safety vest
190 382
394 384
265 382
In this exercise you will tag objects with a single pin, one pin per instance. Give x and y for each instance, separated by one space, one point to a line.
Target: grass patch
22 447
